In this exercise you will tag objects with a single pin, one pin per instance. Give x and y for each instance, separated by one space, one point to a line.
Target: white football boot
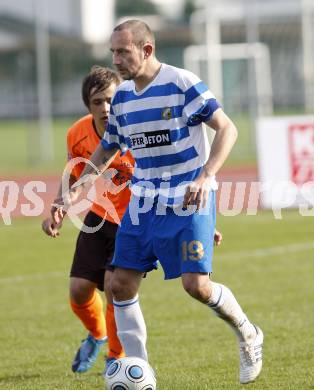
251 357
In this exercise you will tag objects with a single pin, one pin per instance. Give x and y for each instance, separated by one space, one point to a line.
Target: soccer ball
130 373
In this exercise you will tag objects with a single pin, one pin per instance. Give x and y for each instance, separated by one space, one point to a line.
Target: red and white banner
301 151
285 147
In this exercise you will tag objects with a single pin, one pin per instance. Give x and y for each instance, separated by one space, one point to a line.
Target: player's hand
217 237
58 211
61 205
50 228
197 192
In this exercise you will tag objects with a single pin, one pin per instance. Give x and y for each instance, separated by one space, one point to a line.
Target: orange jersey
112 193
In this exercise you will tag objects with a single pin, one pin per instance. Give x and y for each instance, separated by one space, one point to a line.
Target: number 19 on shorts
192 250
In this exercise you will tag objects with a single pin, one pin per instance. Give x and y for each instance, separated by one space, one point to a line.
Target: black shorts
94 251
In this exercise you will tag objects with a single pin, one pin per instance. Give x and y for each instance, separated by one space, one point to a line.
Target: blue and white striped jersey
162 126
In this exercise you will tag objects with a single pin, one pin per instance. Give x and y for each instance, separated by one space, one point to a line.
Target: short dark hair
99 78
140 30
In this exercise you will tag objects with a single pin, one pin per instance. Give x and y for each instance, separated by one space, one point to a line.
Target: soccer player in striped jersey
158 113
91 269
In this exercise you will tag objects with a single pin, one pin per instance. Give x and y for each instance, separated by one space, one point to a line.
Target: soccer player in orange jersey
91 268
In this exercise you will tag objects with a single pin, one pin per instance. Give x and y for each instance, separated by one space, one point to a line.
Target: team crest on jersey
166 113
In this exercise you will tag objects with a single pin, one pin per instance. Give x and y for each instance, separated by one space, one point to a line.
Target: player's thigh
184 243
94 251
107 285
196 245
134 244
196 241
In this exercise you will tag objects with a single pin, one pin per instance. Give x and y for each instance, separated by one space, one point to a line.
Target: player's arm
99 162
225 137
57 212
52 225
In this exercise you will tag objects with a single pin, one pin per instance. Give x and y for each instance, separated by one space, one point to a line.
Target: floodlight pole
252 37
307 15
43 80
213 48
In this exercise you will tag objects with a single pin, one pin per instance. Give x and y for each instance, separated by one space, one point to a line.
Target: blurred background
257 57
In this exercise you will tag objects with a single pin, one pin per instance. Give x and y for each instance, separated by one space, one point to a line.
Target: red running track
238 192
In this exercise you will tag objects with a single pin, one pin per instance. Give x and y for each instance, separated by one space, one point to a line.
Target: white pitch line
25 278
273 250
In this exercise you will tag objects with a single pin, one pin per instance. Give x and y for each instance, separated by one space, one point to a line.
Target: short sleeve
112 136
200 103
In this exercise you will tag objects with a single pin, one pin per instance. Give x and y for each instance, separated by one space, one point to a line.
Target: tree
189 8
135 7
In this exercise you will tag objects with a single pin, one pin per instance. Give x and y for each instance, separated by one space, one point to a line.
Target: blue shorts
181 243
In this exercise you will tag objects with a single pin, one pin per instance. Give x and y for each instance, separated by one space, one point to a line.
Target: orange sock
114 345
92 315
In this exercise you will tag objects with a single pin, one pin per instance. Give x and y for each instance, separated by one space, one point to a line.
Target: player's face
99 106
127 57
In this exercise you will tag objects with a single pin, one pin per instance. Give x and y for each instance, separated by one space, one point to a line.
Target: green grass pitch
20 147
267 263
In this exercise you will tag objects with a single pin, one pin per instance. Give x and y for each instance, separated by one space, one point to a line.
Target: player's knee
78 297
121 289
192 289
80 292
196 288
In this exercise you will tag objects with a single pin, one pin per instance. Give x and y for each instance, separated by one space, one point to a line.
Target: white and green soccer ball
130 373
